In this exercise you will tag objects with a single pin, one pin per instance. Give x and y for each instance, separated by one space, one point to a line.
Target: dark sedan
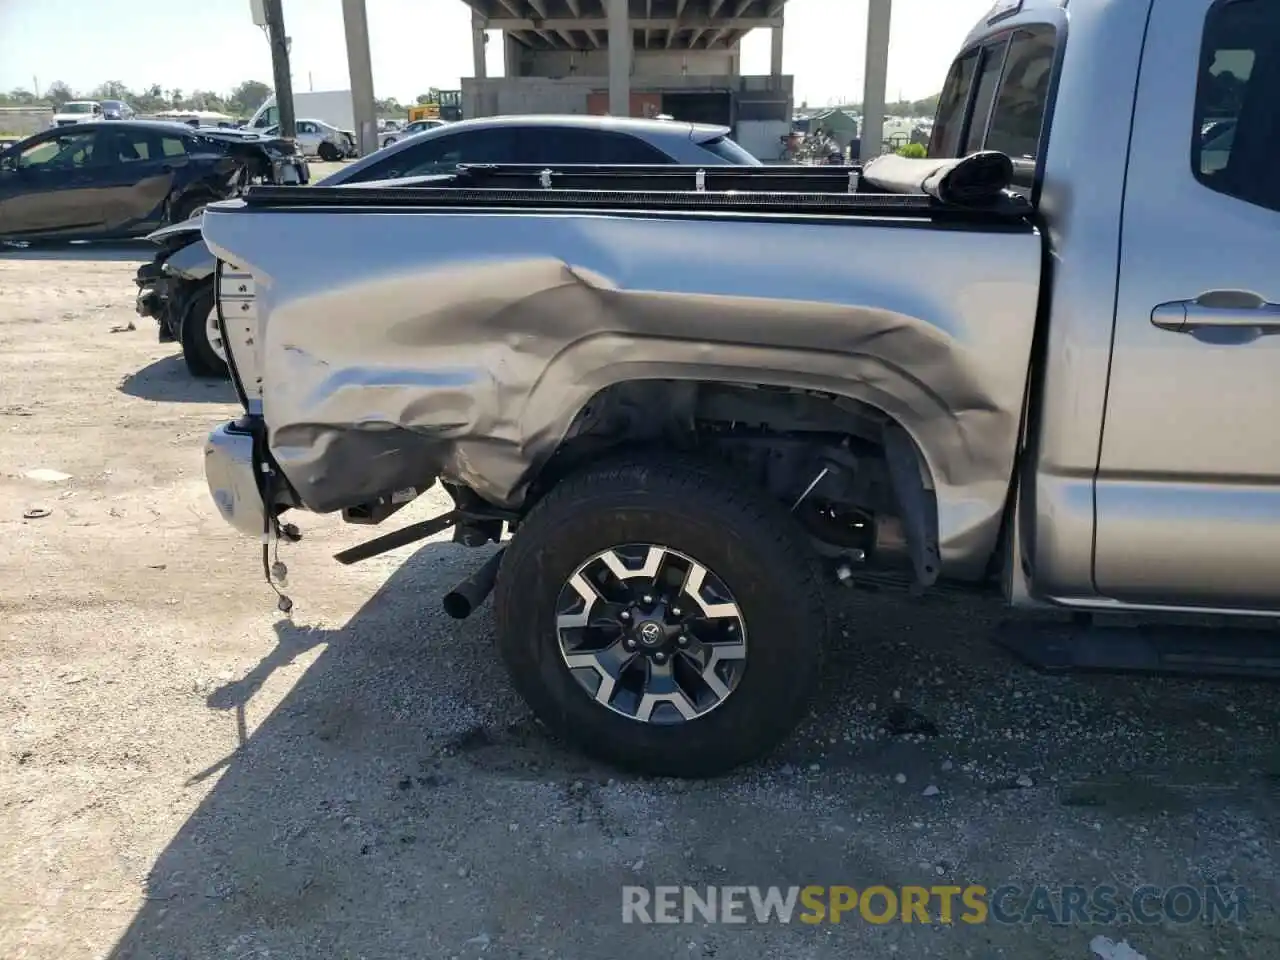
97 181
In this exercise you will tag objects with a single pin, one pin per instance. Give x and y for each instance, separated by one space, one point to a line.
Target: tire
745 541
200 355
187 208
328 152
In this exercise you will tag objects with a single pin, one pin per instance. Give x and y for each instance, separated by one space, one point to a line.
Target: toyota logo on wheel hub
650 633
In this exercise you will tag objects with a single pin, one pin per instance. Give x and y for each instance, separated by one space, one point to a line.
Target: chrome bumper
231 471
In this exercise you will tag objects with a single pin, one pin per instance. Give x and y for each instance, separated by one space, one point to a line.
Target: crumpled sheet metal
401 346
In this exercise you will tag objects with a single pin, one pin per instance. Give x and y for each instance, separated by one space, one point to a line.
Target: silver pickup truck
688 394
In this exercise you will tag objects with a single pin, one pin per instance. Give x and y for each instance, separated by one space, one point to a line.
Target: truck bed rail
823 191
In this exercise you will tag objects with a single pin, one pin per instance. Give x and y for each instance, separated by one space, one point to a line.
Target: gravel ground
183 773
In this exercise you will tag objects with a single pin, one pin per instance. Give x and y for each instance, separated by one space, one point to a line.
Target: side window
307 127
988 79
69 151
579 145
945 141
270 117
1235 135
443 153
1023 99
172 147
131 146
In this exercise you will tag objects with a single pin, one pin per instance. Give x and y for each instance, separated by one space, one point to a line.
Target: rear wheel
328 152
662 617
187 208
201 338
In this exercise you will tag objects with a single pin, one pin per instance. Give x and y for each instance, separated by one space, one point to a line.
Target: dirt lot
184 773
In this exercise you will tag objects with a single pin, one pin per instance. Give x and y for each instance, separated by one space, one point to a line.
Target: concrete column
775 56
511 56
619 58
481 65
879 15
360 66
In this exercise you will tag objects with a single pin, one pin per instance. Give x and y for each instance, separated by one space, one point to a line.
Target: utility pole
280 68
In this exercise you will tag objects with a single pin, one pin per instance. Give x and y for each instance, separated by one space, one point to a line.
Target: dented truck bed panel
391 347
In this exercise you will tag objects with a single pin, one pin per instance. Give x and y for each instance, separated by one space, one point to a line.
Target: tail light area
238 318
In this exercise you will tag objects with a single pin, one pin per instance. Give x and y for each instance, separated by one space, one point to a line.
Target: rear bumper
231 470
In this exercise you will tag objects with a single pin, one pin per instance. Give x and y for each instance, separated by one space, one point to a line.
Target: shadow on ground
124 251
400 802
168 380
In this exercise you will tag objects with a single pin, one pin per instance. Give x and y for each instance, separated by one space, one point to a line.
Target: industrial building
640 58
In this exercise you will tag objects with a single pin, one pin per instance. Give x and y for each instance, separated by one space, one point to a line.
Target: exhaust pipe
462 600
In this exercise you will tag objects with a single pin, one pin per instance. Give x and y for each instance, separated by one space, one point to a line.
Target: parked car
679 403
99 181
549 139
117 110
393 134
76 111
319 139
170 285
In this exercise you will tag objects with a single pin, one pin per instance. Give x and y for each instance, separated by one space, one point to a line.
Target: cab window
67 151
1023 101
997 98
1235 132
947 126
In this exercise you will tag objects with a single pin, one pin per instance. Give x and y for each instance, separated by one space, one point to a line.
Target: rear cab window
998 97
730 151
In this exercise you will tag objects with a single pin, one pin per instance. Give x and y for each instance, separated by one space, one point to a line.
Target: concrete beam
360 66
574 8
620 27
661 23
879 19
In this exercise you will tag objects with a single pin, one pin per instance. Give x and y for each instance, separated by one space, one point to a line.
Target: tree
431 96
59 93
111 90
913 150
247 96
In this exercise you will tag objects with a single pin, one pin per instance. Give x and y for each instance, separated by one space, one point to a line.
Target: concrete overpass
621 28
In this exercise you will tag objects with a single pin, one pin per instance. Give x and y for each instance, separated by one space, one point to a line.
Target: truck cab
1150 474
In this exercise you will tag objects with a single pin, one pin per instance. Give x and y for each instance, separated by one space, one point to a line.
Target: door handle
1220 308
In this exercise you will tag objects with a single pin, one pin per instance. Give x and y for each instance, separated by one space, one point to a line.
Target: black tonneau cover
825 190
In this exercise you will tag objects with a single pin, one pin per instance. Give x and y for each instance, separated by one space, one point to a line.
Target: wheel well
852 475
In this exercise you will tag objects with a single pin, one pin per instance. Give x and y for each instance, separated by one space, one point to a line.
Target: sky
417 44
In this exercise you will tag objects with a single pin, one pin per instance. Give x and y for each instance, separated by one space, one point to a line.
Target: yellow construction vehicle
447 106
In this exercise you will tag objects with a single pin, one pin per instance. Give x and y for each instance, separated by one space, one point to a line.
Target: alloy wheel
651 633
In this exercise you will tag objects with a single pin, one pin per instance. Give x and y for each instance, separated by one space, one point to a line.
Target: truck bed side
397 345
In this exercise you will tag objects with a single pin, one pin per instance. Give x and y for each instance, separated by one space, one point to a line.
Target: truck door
1188 480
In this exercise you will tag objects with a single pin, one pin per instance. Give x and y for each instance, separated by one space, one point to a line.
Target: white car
319 139
387 138
76 111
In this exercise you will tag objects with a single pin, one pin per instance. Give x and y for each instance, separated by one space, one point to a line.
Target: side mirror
8 164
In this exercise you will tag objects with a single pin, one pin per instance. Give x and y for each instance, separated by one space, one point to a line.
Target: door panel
1188 485
52 193
136 177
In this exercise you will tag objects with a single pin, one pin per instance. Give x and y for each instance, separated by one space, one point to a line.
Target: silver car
318 139
548 139
388 137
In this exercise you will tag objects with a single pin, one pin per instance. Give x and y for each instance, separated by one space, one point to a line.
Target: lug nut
660 657
625 615
675 611
683 640
648 598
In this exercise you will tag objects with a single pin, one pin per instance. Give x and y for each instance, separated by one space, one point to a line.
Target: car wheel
187 208
328 152
201 338
662 616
